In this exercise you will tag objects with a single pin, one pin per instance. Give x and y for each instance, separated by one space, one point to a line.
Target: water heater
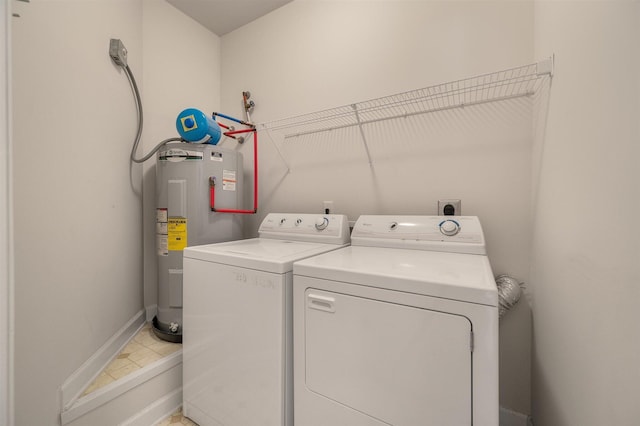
185 176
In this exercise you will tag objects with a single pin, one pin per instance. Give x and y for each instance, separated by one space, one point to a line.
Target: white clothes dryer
237 332
400 328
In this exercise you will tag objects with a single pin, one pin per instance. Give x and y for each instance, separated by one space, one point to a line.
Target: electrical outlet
327 207
118 52
449 207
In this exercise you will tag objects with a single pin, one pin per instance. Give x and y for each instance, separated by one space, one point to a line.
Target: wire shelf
507 84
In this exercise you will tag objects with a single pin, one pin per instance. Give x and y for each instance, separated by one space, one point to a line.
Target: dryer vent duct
509 293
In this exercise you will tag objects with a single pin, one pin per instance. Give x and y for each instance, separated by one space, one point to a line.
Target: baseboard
113 390
81 378
513 418
158 411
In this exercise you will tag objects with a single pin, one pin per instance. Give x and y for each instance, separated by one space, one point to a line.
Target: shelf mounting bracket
545 67
364 139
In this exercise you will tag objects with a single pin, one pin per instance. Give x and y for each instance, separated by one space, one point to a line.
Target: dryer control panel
328 228
457 234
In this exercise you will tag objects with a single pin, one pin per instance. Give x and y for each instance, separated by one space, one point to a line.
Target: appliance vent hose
509 293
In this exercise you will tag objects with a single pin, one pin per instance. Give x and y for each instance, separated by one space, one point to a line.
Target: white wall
585 270
79 205
181 70
311 55
6 316
78 227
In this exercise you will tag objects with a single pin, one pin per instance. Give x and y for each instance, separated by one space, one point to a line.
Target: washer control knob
449 227
321 223
282 221
298 221
393 225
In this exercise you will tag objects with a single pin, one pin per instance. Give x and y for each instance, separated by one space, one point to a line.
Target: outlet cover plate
456 204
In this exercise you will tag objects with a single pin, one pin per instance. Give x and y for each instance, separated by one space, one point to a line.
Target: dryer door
400 365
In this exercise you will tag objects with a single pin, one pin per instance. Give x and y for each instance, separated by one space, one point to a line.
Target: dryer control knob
449 227
282 221
321 223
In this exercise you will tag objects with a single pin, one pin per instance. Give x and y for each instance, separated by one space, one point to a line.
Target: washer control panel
306 227
460 234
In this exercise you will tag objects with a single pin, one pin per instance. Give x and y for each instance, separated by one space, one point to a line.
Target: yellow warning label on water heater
177 233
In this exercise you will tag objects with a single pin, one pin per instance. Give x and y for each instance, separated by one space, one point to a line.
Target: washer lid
264 254
455 276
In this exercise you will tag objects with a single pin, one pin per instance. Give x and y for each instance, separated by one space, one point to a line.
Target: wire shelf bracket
497 86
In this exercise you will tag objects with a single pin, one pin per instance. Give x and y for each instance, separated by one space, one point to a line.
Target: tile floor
144 349
177 419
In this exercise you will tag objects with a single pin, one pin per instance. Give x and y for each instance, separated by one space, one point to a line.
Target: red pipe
212 180
233 132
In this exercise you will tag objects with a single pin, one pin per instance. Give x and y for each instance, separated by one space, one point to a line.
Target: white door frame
6 242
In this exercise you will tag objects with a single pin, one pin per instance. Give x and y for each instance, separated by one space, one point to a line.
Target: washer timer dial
321 223
449 227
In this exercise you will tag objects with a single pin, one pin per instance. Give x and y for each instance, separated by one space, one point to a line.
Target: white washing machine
400 328
237 349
